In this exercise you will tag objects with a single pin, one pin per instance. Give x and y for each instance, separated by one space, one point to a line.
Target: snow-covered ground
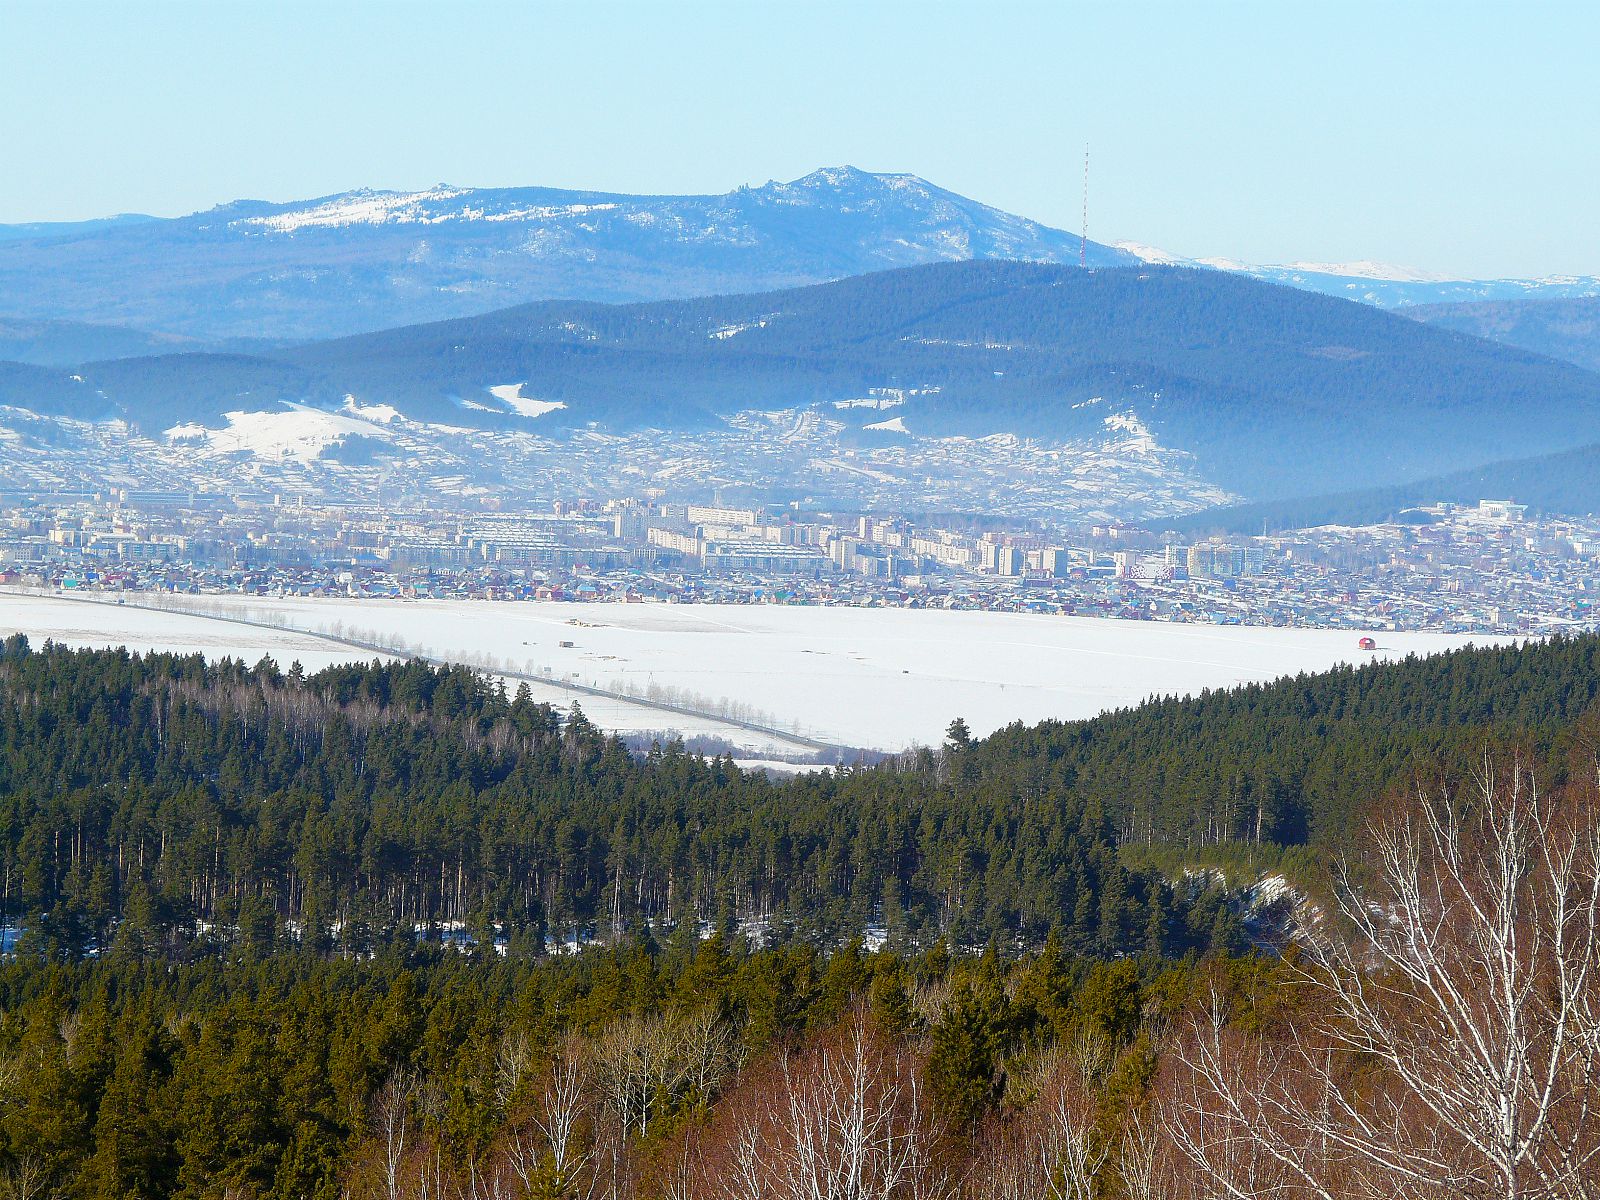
886 678
103 625
294 431
99 622
510 394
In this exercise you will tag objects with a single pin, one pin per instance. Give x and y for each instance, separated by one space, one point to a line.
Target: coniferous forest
388 930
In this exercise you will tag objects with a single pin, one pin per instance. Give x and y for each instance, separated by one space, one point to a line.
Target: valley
882 679
660 671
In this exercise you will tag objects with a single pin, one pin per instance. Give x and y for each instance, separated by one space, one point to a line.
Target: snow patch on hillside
510 394
727 331
1151 254
353 208
300 433
1136 438
383 414
892 425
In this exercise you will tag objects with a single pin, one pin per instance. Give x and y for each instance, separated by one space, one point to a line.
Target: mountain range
890 314
1273 391
254 272
367 260
1384 284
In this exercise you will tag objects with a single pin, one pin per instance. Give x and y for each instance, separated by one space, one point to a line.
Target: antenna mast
1083 244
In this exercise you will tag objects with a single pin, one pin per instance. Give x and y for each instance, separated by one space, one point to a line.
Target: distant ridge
1568 329
367 260
1274 392
51 230
1382 285
1566 483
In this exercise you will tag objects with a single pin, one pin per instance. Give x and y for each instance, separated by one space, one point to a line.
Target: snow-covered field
886 678
102 625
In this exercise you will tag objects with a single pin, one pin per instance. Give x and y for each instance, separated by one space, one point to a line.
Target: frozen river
884 678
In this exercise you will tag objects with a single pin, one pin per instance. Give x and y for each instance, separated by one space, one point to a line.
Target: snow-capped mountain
368 260
1383 284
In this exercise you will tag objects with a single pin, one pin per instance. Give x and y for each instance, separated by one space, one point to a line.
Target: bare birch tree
391 1119
1051 1150
548 1150
1455 1049
23 1180
844 1121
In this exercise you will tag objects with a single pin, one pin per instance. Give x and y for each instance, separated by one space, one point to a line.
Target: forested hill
368 260
145 801
162 806
62 343
1564 483
1276 392
1568 328
1305 759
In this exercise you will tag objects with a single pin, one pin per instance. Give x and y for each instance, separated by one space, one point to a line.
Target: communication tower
1083 242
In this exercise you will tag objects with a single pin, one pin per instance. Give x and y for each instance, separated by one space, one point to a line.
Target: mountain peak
852 182
368 258
834 176
854 177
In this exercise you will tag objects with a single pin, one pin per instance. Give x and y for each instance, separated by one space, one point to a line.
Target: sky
1456 137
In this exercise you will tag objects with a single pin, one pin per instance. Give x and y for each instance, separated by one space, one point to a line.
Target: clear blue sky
1456 137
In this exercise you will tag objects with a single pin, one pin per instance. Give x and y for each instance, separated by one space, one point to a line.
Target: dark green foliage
1299 760
252 852
157 807
161 807
262 1078
965 1046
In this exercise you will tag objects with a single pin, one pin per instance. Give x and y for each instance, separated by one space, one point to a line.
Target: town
1491 568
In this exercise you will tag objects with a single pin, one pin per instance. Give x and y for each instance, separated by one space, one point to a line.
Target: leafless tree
1454 1048
23 1180
1245 1114
1051 1149
512 1063
1143 1159
637 1059
547 1148
640 1059
844 1120
709 1049
391 1120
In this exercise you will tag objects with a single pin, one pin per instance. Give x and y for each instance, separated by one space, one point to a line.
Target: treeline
160 806
1302 760
629 1072
692 1068
292 936
163 807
